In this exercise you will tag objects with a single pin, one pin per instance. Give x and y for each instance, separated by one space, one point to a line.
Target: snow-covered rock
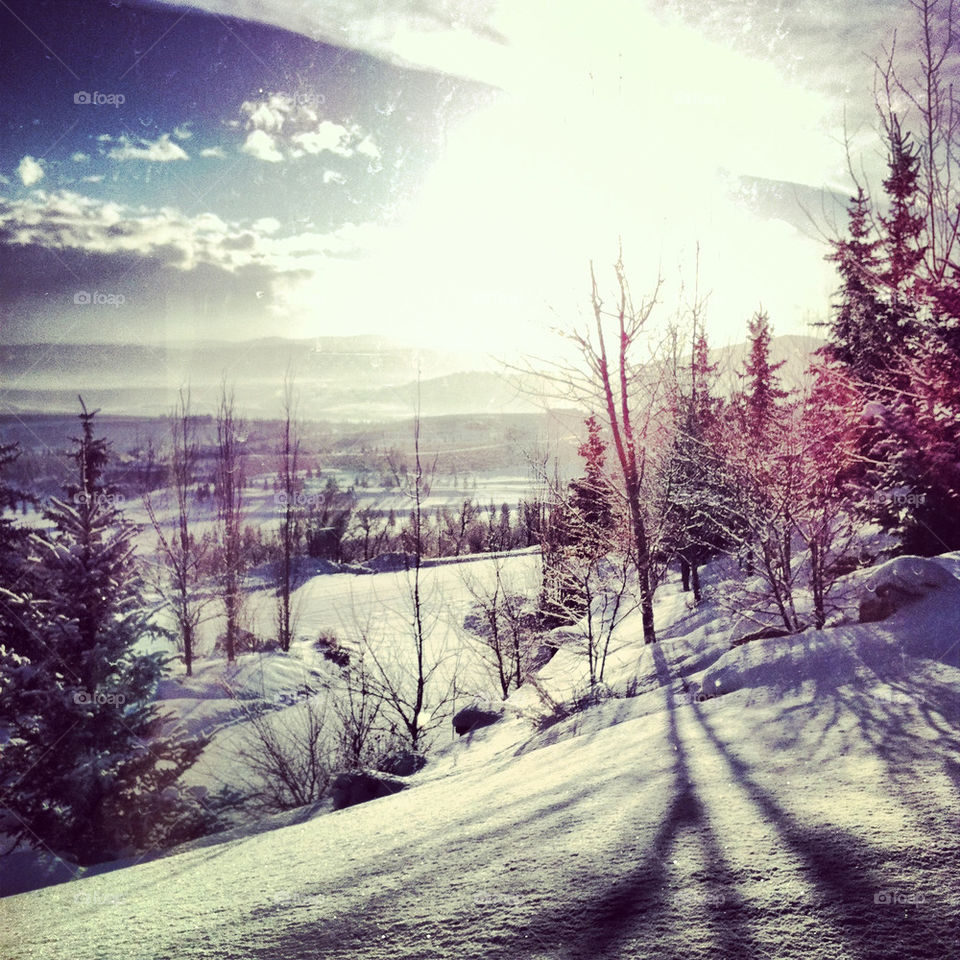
476 716
349 789
902 581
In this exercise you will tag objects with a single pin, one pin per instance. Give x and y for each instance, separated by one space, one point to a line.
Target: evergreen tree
83 772
763 394
854 330
693 495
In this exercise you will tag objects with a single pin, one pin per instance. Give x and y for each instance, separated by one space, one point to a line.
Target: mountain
339 378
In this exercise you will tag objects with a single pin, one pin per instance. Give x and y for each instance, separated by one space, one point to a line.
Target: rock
475 716
900 582
404 763
349 789
767 633
391 562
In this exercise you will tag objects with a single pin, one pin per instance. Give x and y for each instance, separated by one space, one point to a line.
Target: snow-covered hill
783 799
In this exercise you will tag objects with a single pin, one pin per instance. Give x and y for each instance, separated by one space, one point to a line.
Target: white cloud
94 178
183 132
261 145
161 150
30 171
266 225
80 157
328 137
331 176
71 221
216 152
279 127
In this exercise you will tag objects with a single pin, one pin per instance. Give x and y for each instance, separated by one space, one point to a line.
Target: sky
440 172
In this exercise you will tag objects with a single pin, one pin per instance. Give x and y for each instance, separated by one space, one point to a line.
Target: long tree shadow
850 875
642 906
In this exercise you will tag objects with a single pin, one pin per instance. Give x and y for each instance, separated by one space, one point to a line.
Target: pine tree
82 772
763 394
903 225
693 495
854 330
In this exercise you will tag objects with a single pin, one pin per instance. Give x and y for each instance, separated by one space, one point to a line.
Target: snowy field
786 799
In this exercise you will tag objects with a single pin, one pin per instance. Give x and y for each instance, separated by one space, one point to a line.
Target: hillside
789 799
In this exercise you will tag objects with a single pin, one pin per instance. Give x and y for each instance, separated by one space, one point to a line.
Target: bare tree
629 394
503 621
924 96
288 465
361 738
284 761
229 500
411 677
181 554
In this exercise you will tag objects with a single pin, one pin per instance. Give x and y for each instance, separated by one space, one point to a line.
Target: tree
229 499
909 448
693 496
83 772
328 520
181 553
757 479
505 626
628 395
407 674
285 764
855 334
762 395
289 534
17 573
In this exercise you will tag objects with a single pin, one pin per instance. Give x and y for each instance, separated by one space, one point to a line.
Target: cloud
262 146
80 157
235 278
327 138
66 220
456 37
183 132
280 127
161 150
94 178
30 171
216 152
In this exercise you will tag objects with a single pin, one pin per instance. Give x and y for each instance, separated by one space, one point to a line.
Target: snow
789 798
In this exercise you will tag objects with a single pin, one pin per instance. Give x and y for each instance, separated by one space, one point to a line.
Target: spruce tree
854 329
762 396
83 771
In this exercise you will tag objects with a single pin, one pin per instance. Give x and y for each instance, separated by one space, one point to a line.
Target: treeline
797 487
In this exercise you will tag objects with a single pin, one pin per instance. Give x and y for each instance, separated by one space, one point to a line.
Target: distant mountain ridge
338 378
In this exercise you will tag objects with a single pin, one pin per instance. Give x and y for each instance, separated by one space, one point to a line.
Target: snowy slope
807 810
